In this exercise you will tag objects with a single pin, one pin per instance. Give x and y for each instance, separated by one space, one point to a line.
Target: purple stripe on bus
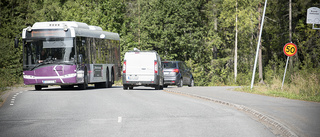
51 71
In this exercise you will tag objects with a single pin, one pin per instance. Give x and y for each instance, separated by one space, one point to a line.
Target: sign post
289 49
313 16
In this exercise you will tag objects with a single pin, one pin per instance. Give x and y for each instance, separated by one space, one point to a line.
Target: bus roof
59 25
80 29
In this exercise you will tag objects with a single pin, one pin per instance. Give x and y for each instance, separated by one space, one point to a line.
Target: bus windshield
38 52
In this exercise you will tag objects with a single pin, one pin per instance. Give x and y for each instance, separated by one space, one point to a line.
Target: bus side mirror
16 42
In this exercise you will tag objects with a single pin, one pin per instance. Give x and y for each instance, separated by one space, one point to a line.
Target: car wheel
180 84
191 83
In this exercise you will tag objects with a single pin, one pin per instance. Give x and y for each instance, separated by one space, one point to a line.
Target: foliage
303 85
199 32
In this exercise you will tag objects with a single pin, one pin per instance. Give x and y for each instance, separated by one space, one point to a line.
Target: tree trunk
139 21
236 46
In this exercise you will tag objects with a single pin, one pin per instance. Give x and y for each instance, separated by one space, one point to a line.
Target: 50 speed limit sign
290 49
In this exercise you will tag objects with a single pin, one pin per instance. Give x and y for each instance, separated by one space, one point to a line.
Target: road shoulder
211 94
5 94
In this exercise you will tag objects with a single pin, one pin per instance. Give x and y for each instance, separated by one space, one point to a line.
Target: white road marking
14 98
65 92
119 119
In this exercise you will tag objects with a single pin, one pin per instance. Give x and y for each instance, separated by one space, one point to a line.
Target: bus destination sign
48 33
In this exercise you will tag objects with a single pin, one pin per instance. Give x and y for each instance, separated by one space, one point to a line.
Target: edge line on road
269 120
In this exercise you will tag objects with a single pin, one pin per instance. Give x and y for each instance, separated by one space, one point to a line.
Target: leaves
200 32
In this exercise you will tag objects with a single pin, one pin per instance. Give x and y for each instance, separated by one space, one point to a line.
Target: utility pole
236 46
258 45
290 30
260 50
139 21
290 20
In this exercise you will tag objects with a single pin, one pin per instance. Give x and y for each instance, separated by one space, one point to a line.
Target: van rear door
140 66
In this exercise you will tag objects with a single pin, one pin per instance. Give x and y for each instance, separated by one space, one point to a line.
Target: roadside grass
300 86
4 87
118 83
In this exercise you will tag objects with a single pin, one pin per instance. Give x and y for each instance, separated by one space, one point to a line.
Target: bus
69 54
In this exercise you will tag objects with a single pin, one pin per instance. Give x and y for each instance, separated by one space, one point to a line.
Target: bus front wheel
37 87
85 81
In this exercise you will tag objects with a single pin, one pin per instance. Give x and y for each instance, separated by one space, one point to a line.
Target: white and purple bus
68 53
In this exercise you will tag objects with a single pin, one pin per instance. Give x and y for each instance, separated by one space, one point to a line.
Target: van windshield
169 65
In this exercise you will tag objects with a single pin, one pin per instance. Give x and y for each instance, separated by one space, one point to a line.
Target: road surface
302 118
141 112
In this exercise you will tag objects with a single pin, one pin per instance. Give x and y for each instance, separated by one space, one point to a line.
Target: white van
142 68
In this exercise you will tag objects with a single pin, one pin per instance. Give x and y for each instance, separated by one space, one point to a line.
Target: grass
4 87
299 86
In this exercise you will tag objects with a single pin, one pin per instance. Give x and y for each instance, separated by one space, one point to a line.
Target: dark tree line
199 32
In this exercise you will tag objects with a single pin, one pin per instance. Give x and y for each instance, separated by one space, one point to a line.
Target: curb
264 118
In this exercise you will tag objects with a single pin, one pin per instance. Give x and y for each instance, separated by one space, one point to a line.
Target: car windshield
169 65
39 52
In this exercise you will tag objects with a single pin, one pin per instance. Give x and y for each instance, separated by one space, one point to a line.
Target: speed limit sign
290 49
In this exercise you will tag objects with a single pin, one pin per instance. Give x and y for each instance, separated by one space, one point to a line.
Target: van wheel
130 87
157 87
180 84
125 87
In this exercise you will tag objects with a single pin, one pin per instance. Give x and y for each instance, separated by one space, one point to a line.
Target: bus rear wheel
111 81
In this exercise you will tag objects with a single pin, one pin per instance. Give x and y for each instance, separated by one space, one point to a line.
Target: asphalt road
302 118
117 112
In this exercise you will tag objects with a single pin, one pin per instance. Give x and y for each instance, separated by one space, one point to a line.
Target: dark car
177 73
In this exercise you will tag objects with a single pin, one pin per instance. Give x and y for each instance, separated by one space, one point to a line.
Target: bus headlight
80 74
70 75
28 77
